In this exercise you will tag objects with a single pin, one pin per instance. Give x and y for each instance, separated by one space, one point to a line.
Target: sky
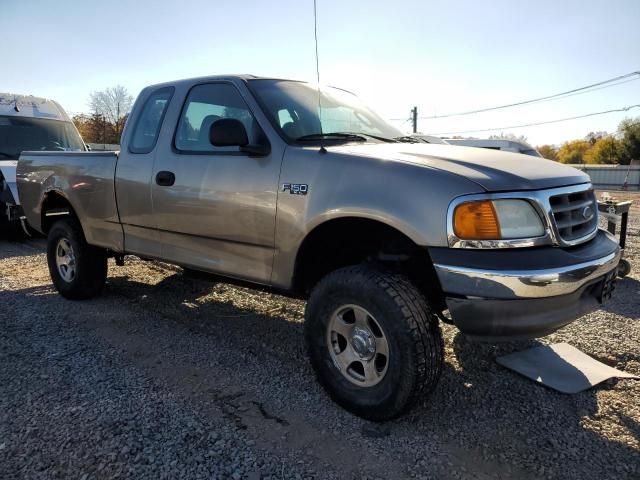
441 56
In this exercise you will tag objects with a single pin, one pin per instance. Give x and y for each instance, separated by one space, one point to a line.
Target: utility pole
414 119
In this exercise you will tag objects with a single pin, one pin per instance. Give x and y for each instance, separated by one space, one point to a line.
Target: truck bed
85 179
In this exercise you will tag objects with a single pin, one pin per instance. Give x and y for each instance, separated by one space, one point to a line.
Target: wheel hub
65 260
363 343
358 346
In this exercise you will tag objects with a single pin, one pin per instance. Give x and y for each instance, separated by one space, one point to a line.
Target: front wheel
373 341
78 270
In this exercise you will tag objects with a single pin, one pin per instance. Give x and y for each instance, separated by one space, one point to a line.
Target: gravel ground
169 376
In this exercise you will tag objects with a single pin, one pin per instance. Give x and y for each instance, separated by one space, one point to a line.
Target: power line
540 99
612 82
623 109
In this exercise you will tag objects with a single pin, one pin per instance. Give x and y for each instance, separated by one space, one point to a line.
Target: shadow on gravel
494 414
189 299
509 418
492 417
16 244
626 288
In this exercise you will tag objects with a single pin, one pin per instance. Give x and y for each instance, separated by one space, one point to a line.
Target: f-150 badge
296 188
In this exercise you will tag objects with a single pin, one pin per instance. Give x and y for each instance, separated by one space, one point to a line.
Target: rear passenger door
218 212
134 172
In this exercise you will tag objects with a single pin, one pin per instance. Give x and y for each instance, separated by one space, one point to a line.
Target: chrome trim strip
539 199
514 284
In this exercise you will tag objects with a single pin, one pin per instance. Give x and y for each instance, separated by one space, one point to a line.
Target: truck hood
8 171
493 170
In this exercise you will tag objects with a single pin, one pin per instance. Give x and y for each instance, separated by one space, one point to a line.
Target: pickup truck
309 192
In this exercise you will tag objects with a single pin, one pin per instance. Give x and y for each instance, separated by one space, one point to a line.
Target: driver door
215 207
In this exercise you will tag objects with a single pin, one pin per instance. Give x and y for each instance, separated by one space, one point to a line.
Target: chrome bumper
502 295
514 284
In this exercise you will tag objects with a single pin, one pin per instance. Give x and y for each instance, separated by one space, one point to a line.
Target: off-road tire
91 262
416 351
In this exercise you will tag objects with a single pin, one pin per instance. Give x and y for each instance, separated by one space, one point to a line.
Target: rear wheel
78 270
373 341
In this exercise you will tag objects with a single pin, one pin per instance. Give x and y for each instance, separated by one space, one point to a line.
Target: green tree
573 151
630 141
549 152
606 150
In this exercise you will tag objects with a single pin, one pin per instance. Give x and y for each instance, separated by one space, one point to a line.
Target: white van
29 123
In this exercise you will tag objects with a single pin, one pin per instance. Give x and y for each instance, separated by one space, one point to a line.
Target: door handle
165 179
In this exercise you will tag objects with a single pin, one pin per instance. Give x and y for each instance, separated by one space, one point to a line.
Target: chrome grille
575 214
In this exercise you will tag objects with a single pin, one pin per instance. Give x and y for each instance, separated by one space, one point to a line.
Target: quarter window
207 104
145 134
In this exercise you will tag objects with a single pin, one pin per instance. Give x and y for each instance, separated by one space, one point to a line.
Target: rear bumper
528 292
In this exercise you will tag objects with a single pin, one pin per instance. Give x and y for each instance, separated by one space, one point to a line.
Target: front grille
575 214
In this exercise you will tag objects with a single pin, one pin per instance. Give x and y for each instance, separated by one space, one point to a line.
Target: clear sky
443 56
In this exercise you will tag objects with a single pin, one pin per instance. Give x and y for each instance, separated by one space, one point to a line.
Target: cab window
145 133
207 104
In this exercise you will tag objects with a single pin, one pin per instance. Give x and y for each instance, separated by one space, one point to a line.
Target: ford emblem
587 213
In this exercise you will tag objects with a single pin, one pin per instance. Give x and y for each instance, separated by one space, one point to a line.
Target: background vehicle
241 176
29 123
429 139
495 144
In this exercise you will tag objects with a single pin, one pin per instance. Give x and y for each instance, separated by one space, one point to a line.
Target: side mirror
229 132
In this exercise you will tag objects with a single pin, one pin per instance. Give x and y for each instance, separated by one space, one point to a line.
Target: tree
95 128
549 152
509 136
573 151
593 137
606 150
113 104
630 141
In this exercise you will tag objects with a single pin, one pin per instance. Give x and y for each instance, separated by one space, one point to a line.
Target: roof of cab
213 78
16 105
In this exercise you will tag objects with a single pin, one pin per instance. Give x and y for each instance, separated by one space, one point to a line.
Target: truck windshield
293 108
18 134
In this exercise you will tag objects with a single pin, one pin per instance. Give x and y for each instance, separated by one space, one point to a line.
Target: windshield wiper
7 155
378 137
337 135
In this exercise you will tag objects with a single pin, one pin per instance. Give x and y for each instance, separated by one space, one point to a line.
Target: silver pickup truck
255 179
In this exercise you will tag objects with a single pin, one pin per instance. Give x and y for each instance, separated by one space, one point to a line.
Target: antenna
315 33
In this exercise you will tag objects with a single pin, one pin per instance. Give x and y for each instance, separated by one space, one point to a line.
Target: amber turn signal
476 221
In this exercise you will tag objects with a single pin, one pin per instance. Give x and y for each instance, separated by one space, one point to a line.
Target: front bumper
525 292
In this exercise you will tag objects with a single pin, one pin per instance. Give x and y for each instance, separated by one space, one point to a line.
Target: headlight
501 219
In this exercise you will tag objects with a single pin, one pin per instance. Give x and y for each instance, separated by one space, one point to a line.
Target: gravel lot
169 376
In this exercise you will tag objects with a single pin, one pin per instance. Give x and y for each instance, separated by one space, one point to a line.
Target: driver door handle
165 179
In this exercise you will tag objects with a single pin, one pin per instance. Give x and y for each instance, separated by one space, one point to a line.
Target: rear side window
145 133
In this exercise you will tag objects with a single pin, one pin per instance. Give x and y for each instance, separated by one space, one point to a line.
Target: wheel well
54 202
350 241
